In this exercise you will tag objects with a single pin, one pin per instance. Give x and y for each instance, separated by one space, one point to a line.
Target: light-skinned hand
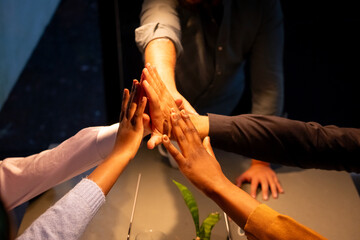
160 101
261 174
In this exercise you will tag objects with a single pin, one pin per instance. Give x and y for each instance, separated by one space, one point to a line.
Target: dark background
87 55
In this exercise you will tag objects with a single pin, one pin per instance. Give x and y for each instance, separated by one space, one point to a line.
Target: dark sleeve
266 62
288 142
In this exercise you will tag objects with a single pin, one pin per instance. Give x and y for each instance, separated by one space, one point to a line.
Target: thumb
154 140
207 146
146 122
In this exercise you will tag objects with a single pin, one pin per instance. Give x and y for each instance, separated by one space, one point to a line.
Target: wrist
201 124
255 162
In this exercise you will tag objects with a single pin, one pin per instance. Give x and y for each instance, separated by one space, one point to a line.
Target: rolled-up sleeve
159 19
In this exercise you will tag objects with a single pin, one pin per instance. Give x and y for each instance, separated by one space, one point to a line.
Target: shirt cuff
106 139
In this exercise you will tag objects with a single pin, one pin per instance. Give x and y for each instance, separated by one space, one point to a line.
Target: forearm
161 53
287 142
69 217
23 178
234 201
106 174
258 220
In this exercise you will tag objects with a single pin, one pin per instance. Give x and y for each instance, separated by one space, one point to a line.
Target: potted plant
203 232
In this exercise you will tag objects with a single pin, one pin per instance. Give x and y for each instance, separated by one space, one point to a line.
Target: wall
22 23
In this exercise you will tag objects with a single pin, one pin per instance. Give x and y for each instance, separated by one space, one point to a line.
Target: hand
131 127
196 159
261 173
184 104
128 139
160 103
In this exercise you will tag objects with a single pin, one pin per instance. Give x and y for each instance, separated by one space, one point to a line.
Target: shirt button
220 48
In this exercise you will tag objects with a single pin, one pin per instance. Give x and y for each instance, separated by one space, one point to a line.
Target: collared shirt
213 47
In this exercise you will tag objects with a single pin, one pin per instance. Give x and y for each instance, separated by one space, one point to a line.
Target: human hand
184 104
196 159
131 127
261 173
160 103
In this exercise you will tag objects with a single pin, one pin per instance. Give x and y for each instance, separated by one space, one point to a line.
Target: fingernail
266 198
165 138
183 113
172 110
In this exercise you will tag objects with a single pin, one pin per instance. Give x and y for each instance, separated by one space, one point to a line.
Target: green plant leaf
191 204
207 225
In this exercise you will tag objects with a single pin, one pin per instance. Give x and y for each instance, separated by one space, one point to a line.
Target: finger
241 179
131 111
132 94
188 132
151 80
139 93
278 185
189 129
146 122
154 140
152 95
253 188
124 103
142 77
273 189
265 190
179 158
166 127
138 116
207 146
177 130
155 76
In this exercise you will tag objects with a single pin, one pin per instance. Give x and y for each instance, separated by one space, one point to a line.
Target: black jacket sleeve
287 142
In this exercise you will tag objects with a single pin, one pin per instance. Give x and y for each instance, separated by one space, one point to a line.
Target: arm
159 39
288 142
162 54
197 162
68 218
23 178
266 73
266 62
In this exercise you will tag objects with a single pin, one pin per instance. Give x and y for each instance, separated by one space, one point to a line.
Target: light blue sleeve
68 218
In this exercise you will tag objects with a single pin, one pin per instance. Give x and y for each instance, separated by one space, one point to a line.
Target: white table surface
326 201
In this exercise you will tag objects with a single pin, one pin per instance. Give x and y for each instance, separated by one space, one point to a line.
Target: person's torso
216 44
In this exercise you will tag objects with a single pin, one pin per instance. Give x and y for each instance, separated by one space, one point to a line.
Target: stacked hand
196 159
160 103
131 127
